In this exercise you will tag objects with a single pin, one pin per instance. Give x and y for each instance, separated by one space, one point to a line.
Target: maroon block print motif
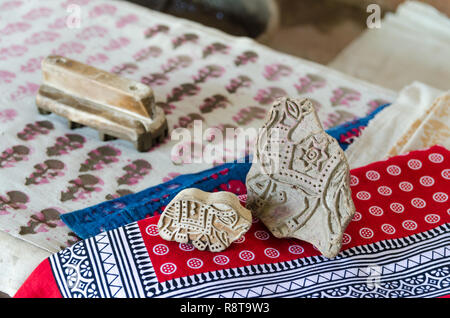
248 114
190 89
81 187
222 128
145 53
125 68
184 90
92 32
15 200
69 48
375 103
214 102
17 27
42 221
135 171
274 72
127 19
73 238
42 37
238 82
9 5
12 155
103 9
45 172
245 58
208 72
309 83
32 65
337 118
119 193
344 96
188 120
216 47
159 28
183 39
172 65
66 144
6 77
37 13
100 157
95 59
38 128
29 89
116 44
268 95
12 51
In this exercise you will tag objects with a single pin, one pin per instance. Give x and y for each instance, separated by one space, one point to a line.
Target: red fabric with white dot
395 198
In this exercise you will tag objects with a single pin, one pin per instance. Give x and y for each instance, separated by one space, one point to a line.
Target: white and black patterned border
116 264
111 264
396 262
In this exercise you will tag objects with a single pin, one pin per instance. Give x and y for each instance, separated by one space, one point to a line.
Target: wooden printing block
209 221
299 183
117 107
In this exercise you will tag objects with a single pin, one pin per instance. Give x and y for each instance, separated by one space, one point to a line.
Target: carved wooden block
116 106
209 221
299 185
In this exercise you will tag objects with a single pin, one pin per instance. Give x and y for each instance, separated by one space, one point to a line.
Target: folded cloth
431 129
133 207
397 245
391 124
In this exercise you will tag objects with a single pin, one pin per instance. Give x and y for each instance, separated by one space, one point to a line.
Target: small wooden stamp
302 189
209 221
117 107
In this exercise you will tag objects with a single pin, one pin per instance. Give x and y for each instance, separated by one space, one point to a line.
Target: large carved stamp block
209 221
299 184
116 106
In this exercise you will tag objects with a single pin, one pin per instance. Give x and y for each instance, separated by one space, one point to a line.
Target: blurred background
312 29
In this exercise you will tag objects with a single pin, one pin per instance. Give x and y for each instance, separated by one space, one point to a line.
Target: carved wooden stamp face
302 189
209 221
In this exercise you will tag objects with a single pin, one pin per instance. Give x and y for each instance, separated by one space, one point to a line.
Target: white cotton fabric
412 44
390 125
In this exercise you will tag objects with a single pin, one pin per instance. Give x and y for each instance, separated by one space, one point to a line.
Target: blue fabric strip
118 212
